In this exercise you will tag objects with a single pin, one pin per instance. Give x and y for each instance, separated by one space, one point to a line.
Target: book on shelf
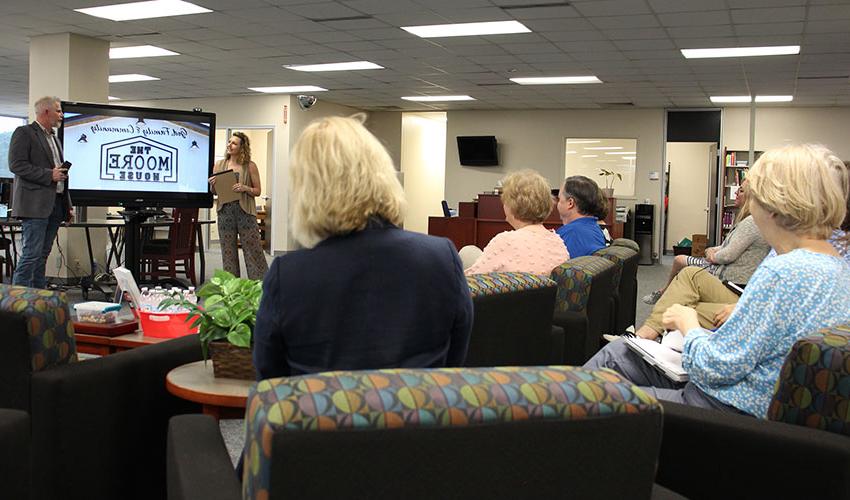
665 356
730 158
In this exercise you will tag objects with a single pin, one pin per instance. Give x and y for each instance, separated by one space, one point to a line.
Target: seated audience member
798 195
530 248
581 205
363 293
735 260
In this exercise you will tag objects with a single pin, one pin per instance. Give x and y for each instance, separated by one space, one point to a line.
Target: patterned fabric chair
625 242
107 415
513 321
626 260
583 304
802 451
37 335
433 433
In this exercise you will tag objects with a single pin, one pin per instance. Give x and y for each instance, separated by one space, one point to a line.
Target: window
8 124
588 157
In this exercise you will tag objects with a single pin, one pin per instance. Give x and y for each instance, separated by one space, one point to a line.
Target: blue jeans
38 235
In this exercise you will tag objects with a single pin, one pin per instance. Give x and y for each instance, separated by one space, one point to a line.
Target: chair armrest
711 454
198 464
557 345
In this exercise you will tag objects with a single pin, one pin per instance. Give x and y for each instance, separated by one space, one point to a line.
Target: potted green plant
226 320
610 176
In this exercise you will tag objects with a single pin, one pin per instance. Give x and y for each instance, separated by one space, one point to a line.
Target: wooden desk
220 397
103 346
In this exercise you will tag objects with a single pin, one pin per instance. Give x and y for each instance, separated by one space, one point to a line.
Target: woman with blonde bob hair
363 293
531 247
797 197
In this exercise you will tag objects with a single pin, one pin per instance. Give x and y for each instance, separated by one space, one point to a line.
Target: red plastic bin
165 325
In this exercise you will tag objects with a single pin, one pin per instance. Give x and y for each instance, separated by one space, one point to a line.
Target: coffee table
220 397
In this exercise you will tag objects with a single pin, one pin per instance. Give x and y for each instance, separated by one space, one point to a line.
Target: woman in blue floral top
798 196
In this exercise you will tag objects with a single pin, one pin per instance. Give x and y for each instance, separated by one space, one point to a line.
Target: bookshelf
736 164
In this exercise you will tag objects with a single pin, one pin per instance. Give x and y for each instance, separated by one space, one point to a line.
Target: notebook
665 356
224 186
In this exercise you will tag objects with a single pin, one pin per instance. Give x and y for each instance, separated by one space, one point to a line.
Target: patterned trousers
233 221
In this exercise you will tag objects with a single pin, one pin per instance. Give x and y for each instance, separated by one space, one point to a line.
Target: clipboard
226 180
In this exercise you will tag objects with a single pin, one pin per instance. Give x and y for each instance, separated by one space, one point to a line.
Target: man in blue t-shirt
581 205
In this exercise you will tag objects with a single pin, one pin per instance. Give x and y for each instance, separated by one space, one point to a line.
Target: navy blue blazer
377 298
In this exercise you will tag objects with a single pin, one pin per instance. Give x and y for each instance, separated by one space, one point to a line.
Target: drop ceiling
631 45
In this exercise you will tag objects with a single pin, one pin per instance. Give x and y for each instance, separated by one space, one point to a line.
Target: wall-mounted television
138 157
478 150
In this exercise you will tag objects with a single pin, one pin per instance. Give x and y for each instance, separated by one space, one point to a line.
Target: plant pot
608 192
230 361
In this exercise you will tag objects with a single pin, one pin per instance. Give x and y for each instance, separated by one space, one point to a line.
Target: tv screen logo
138 159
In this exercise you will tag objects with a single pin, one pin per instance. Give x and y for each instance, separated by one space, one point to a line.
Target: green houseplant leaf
229 310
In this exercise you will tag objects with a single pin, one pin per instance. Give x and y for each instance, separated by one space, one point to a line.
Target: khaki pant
693 287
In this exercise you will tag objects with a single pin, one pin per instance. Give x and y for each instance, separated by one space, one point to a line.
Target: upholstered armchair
625 297
506 432
583 304
14 454
97 427
513 321
802 449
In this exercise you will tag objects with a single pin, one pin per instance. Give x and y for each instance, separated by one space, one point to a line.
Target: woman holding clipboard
237 209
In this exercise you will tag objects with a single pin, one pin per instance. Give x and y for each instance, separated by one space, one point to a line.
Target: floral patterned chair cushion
494 283
446 397
814 385
574 279
49 326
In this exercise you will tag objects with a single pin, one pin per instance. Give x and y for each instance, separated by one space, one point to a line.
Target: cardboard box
700 241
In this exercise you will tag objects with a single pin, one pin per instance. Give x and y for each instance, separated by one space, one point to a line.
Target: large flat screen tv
477 151
138 157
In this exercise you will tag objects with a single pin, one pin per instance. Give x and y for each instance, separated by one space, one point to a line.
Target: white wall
386 126
263 111
778 126
536 139
423 161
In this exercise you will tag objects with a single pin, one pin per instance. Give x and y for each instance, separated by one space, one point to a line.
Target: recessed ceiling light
467 29
144 10
629 157
133 77
556 80
139 51
730 98
782 50
346 66
621 153
288 90
571 152
589 156
774 98
438 98
603 148
113 98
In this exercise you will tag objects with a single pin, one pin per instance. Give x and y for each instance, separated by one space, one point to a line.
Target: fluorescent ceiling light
571 152
144 10
288 90
621 153
782 50
589 156
438 98
629 157
113 98
467 29
581 141
133 77
346 66
139 51
774 98
603 148
556 80
730 98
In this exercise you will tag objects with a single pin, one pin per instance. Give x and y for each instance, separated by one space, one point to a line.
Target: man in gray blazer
40 197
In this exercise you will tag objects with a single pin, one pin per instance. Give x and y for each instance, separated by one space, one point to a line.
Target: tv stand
133 218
